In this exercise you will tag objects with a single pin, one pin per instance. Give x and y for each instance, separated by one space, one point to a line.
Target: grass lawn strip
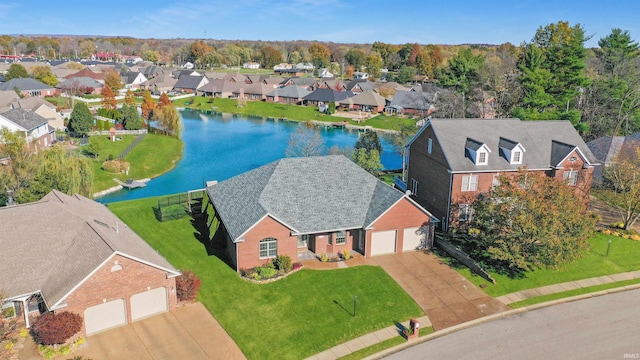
293 318
292 112
623 257
569 293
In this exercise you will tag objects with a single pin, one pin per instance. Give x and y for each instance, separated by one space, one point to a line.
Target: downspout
445 226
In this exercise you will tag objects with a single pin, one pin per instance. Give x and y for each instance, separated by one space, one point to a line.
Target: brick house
452 161
313 205
69 253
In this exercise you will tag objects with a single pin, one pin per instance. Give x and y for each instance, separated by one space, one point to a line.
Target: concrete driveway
447 297
189 332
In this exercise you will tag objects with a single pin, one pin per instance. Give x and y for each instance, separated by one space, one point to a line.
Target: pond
220 146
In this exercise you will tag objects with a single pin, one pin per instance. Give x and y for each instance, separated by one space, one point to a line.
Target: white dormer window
482 158
516 157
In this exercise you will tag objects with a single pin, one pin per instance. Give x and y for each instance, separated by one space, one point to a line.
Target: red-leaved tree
52 328
187 286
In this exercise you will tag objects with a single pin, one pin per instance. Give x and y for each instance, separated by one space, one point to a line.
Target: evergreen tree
130 117
81 120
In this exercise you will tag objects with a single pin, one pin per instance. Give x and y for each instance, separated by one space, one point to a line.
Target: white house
35 127
251 65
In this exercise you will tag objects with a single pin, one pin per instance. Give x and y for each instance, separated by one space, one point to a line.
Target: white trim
580 153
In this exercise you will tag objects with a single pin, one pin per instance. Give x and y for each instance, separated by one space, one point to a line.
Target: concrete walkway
566 286
367 340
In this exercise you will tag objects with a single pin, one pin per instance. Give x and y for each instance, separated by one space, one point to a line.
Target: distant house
318 205
452 161
190 83
306 82
221 88
325 73
81 84
41 107
35 127
87 262
162 82
87 73
415 103
360 75
288 95
326 96
28 87
133 79
369 101
251 65
607 148
256 91
360 85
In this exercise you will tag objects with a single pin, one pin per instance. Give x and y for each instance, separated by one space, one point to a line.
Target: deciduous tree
45 75
16 71
320 55
368 160
169 120
147 106
305 141
129 98
109 101
622 183
529 221
270 56
113 80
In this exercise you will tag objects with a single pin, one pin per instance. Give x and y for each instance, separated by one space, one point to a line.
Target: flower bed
275 269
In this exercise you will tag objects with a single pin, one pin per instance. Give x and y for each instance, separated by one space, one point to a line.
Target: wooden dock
130 184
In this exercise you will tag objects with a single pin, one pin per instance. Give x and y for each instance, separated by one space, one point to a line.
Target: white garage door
104 316
411 240
383 242
148 303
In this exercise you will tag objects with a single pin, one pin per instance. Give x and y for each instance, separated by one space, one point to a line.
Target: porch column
25 312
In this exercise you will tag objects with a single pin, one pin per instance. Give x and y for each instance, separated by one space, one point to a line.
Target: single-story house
288 95
162 82
70 253
36 128
80 85
28 87
365 101
221 88
410 103
326 96
190 83
319 205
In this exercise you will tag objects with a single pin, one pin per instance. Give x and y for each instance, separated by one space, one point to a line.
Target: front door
303 241
361 241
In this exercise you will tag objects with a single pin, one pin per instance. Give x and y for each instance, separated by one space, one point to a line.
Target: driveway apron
447 297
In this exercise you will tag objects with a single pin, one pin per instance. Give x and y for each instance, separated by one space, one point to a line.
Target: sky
340 21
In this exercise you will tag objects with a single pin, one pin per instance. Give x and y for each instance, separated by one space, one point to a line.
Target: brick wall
105 285
248 251
403 214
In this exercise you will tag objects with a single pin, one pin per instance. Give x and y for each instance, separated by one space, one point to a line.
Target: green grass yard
296 317
624 255
153 156
292 112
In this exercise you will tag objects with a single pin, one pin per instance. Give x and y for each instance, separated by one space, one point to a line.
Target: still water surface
220 146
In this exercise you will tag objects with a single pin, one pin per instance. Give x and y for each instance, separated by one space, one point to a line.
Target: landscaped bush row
115 166
279 266
617 229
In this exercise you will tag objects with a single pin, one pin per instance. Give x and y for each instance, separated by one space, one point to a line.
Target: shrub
52 328
346 255
266 271
187 286
324 257
115 166
297 266
283 263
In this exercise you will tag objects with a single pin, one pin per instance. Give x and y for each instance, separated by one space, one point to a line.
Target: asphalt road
604 327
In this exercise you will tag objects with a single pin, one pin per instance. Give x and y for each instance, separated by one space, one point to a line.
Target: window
429 145
516 157
341 238
470 183
482 158
466 212
303 240
268 248
414 187
571 177
496 180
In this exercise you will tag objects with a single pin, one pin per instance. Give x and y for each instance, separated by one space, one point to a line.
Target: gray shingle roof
368 98
188 82
545 142
24 84
80 81
291 91
26 119
52 245
308 194
328 95
411 100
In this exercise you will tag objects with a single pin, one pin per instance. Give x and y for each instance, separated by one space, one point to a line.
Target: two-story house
35 128
452 161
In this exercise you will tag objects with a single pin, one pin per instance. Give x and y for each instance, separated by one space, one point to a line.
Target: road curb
493 317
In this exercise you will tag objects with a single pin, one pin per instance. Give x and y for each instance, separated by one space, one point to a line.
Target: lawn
292 112
292 318
624 255
153 156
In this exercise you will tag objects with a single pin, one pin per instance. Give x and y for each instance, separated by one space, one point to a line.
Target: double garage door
113 313
385 242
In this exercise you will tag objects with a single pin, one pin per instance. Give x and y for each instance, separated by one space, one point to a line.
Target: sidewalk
566 286
366 341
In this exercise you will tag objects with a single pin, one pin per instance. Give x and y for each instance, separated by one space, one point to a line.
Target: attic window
516 157
482 158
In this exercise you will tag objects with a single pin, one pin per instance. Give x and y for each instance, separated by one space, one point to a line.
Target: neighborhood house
312 206
452 161
70 253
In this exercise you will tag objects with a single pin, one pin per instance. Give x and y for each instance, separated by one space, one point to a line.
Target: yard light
608 247
355 303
